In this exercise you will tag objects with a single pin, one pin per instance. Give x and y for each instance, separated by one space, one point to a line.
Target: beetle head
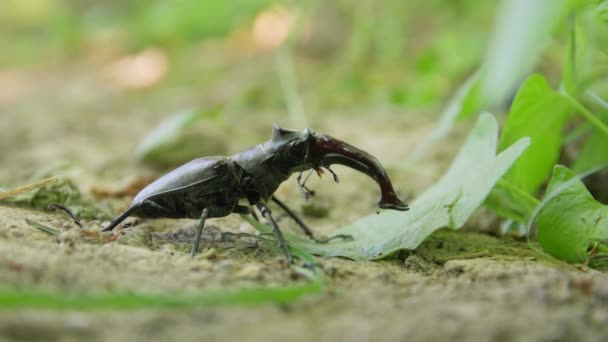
324 150
290 147
301 150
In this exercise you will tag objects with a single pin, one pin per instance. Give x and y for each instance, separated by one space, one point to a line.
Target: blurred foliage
182 137
64 192
65 27
385 53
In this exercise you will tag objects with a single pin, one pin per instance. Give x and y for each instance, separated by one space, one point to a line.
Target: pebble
250 271
208 254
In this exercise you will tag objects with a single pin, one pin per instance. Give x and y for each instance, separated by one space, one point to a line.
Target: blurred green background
251 53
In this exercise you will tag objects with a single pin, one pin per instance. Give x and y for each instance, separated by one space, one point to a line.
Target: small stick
54 206
28 187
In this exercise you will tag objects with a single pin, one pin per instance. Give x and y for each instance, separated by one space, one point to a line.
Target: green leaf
449 203
523 27
571 221
540 113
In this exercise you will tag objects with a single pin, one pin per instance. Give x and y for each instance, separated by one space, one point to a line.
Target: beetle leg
255 216
130 210
304 190
291 214
305 228
275 229
199 231
120 218
244 210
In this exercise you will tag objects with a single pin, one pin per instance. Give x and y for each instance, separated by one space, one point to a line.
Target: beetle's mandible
212 186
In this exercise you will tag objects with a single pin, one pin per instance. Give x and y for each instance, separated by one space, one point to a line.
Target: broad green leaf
571 221
449 203
539 113
522 28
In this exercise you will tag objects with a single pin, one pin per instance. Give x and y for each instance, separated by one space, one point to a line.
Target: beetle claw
319 171
333 174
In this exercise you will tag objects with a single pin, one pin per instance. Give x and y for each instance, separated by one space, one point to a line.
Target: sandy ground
457 285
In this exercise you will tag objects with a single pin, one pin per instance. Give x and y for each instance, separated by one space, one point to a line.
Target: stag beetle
212 186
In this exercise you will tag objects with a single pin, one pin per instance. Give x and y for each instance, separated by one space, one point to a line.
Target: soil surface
457 285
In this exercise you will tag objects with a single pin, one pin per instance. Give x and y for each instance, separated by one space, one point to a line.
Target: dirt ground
457 285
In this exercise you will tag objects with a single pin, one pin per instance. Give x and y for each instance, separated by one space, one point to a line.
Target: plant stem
578 132
594 120
289 85
523 194
600 101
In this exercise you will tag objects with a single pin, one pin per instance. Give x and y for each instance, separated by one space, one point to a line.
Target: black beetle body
212 186
184 192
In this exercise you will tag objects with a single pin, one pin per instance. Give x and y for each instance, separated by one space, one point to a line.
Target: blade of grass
289 85
28 187
296 251
21 299
42 228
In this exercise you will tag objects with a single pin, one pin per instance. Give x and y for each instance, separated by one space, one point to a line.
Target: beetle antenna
120 218
69 211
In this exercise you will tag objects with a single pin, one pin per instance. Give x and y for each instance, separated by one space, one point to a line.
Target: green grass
25 299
